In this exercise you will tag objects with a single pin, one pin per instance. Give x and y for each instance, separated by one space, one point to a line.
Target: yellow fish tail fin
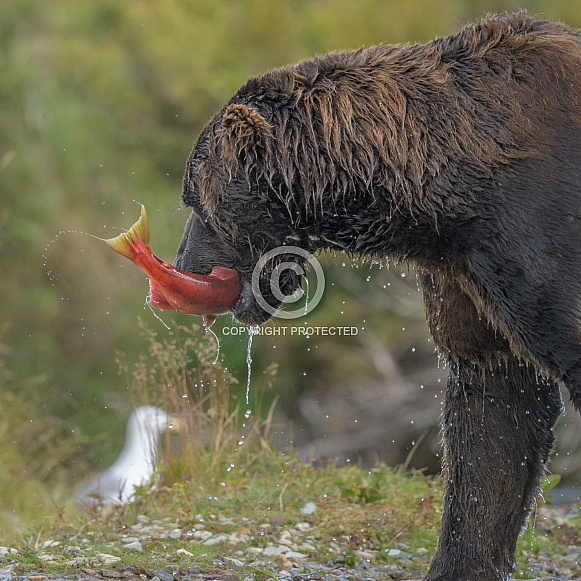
126 242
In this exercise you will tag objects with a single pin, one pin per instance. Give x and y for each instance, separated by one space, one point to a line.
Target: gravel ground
257 552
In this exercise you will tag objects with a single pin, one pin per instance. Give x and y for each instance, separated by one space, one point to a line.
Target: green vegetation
254 503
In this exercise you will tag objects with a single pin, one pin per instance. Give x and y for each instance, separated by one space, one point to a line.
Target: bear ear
246 130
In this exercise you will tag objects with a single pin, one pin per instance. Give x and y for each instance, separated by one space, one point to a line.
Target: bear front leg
497 435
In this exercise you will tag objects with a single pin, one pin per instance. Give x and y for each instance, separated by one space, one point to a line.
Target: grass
219 474
261 502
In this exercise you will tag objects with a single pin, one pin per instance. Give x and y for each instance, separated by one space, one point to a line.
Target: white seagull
136 463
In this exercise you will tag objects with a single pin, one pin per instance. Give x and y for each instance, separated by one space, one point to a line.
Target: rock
282 562
71 550
163 575
272 551
106 559
366 555
216 540
307 547
134 546
235 562
295 555
175 534
238 538
285 541
302 526
201 535
110 574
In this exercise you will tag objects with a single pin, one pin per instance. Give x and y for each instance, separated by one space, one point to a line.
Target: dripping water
209 330
156 315
251 332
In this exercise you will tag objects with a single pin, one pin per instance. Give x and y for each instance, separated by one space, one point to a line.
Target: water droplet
251 332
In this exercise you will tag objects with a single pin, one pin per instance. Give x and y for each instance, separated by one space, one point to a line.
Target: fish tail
127 242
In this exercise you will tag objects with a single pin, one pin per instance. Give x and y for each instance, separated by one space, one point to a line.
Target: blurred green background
100 103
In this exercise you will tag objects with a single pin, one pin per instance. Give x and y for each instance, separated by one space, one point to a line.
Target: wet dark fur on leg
497 435
463 157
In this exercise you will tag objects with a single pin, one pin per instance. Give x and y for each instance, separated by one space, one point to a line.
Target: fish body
171 288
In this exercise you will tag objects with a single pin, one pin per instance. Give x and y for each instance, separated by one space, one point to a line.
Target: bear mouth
260 298
247 309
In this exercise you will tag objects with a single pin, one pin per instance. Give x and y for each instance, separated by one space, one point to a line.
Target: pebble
134 546
201 535
302 526
163 575
106 559
273 551
295 555
110 573
366 555
216 540
289 552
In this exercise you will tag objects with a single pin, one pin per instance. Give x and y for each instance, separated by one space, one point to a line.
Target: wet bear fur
461 156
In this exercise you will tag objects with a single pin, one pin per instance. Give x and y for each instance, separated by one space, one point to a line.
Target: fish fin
156 298
126 242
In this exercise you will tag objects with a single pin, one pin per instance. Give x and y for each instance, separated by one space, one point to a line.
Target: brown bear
463 157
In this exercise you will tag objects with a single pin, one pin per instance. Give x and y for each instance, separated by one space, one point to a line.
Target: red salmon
171 288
